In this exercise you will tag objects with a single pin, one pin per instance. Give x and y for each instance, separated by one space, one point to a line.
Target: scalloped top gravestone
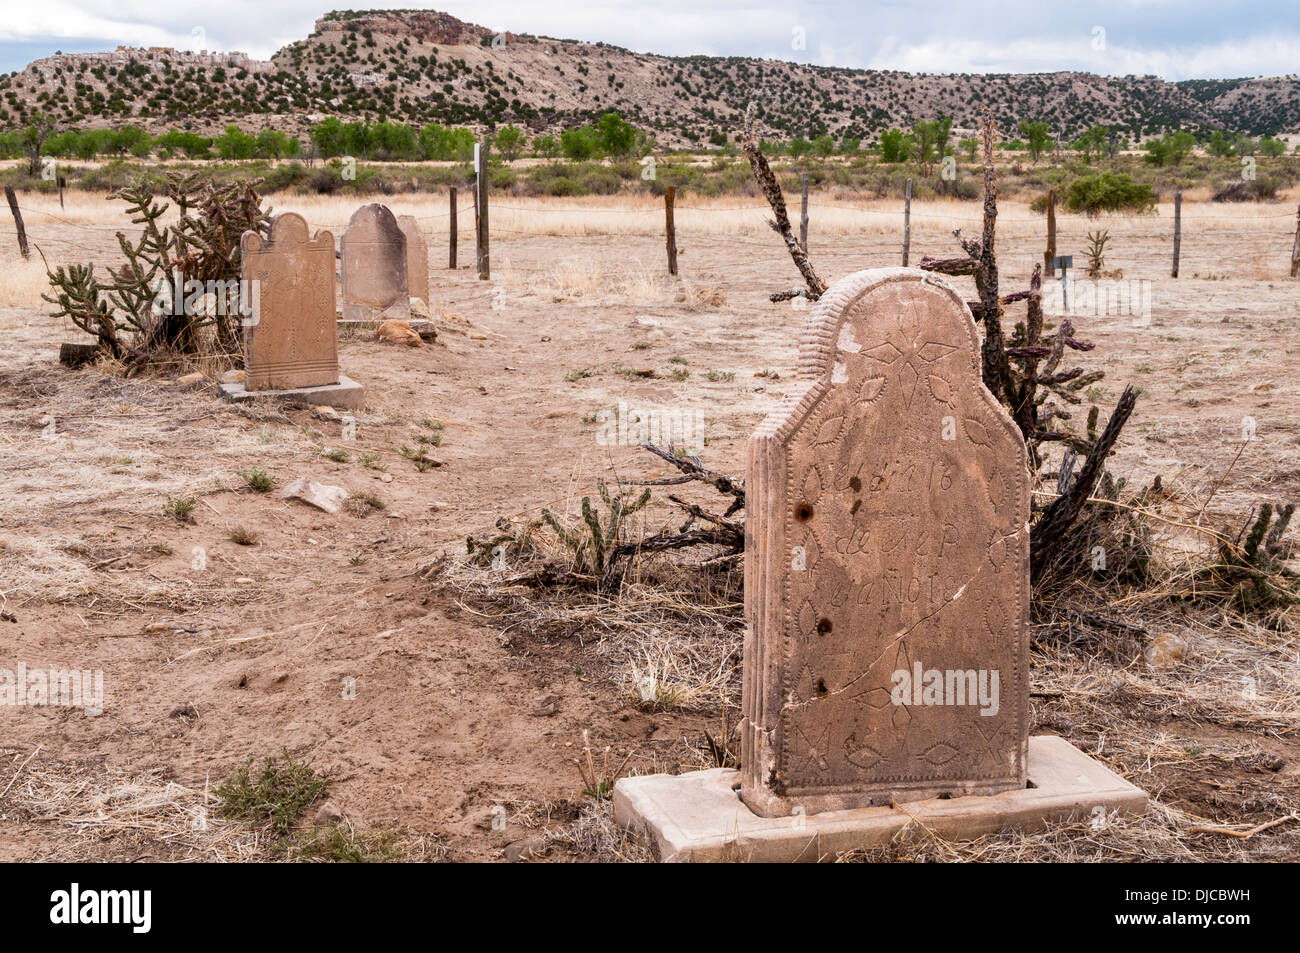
417 257
886 563
374 266
294 341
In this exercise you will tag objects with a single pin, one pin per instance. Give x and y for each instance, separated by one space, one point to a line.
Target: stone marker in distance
375 280
886 601
417 258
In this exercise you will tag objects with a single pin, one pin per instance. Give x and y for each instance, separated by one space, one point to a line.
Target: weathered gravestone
374 267
886 597
887 563
417 258
291 339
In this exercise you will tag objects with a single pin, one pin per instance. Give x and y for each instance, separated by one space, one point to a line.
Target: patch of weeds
419 457
642 346
338 456
180 508
257 479
244 536
344 844
769 374
581 373
357 559
429 439
429 423
363 504
716 376
275 796
371 461
677 359
267 434
680 374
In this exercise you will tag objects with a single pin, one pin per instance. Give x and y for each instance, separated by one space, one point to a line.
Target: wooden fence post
670 229
1295 248
1049 256
1178 229
481 183
18 220
62 183
907 221
451 237
803 215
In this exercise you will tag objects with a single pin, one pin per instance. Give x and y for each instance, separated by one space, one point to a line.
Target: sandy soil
205 668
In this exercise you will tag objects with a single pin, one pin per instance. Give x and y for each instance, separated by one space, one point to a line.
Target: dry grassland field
445 701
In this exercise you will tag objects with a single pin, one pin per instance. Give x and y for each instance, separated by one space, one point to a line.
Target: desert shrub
1109 192
1254 190
274 796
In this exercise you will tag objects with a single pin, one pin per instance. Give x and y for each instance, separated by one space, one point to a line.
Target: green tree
509 141
1220 145
580 144
545 145
823 146
33 139
1038 136
616 137
850 146
235 144
1272 147
895 145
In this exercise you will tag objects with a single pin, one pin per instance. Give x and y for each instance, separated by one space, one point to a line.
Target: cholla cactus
203 245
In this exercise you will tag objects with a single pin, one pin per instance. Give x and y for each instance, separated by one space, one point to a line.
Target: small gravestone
374 267
886 602
291 338
888 553
417 258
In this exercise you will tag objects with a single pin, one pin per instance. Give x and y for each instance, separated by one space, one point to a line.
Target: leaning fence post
670 229
1178 229
451 237
1049 256
907 221
803 215
481 189
18 220
1295 248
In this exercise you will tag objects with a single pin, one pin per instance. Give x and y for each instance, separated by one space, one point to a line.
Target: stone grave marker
417 258
887 564
374 267
294 342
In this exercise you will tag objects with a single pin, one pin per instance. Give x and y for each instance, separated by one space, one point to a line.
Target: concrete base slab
699 816
347 394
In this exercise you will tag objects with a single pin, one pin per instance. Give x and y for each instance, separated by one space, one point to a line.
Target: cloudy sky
1175 39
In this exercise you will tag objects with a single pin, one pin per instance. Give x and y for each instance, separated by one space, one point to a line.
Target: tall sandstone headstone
294 342
417 257
374 266
886 563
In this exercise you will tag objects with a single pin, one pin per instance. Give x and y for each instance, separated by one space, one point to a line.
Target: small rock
326 412
158 627
320 495
232 377
525 849
419 309
386 478
1166 650
243 581
646 321
478 337
190 380
544 706
328 813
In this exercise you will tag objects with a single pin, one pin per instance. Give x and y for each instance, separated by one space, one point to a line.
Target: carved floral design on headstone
887 563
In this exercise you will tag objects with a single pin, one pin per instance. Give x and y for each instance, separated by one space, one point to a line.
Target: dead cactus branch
781 221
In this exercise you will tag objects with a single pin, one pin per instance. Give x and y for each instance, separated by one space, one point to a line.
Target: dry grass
142 816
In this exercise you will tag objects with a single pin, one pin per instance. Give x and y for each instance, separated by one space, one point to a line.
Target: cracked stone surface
887 534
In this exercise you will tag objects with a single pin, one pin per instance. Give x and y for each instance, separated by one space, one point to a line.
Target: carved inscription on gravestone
294 342
886 563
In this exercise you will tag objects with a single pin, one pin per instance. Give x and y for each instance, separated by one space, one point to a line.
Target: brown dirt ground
443 725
